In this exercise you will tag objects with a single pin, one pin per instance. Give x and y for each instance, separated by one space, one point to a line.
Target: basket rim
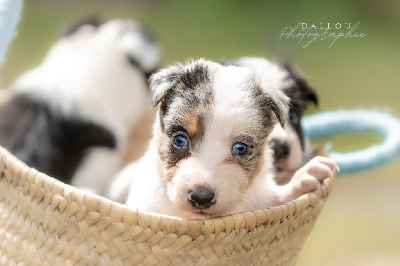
92 208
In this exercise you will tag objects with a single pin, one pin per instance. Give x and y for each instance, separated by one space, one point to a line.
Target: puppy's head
291 149
212 132
131 38
97 71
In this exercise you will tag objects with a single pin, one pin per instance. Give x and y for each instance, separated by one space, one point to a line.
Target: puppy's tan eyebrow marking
193 124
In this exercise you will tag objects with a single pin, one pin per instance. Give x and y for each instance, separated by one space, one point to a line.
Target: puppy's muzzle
201 198
281 149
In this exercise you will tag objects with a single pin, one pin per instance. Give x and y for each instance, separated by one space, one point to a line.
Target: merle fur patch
185 107
255 137
176 78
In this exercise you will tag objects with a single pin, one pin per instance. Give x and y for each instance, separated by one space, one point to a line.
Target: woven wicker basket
45 222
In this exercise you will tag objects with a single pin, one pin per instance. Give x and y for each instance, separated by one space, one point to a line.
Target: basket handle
383 123
10 11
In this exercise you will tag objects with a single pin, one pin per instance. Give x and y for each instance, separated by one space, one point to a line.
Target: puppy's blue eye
180 141
239 148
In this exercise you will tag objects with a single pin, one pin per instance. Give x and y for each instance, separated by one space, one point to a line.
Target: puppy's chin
194 213
204 215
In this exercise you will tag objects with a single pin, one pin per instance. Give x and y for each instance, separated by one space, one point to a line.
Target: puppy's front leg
308 178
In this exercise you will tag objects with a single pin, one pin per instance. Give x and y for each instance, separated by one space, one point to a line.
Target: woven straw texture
45 222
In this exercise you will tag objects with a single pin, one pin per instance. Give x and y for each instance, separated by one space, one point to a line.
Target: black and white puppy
70 117
290 147
209 155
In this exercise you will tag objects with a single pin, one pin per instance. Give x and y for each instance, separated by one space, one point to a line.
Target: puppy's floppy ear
279 104
163 81
307 92
188 76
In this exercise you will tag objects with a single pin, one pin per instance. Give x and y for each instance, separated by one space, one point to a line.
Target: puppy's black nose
201 198
281 149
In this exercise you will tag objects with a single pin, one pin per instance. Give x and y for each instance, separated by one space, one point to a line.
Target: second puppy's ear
163 81
307 92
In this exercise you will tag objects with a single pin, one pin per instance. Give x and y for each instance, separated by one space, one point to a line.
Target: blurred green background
360 224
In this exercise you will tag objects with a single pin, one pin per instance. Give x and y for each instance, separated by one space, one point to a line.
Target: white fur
88 75
150 191
141 181
272 75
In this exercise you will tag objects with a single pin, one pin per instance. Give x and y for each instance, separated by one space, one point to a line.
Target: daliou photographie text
330 32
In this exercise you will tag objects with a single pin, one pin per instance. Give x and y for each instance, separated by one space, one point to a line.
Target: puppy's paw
310 177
